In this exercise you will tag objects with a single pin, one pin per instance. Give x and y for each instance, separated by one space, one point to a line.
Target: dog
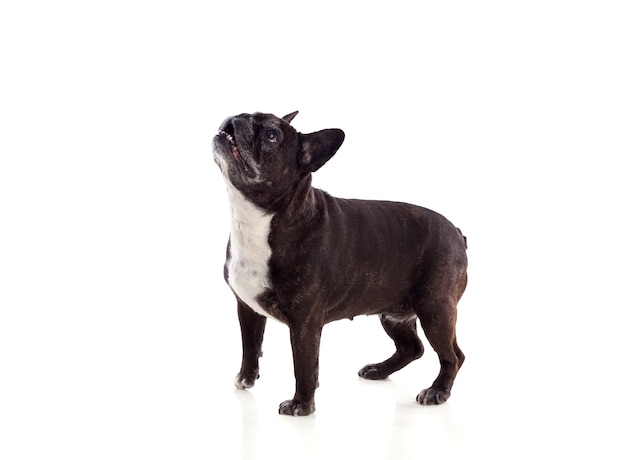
304 258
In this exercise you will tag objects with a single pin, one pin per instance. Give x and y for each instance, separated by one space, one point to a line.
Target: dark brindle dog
305 258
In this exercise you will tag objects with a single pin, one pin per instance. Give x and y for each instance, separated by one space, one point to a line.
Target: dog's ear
290 117
319 147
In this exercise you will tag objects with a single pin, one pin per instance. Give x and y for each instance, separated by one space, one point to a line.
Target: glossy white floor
154 380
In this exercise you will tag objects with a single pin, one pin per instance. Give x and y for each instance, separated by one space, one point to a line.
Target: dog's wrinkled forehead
258 119
267 120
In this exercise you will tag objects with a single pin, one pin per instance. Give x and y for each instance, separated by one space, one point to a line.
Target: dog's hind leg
439 323
408 348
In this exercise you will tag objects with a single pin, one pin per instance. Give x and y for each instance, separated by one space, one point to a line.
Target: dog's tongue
235 151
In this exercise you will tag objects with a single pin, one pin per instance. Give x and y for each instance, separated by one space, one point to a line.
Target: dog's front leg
252 329
305 345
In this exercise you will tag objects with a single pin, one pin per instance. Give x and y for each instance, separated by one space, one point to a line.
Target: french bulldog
304 258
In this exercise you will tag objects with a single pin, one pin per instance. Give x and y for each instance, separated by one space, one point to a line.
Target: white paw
242 383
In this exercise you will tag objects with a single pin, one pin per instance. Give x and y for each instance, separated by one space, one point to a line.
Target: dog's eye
271 135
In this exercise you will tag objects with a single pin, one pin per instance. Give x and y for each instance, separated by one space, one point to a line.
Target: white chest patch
248 272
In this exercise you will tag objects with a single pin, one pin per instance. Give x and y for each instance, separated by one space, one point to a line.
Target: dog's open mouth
233 145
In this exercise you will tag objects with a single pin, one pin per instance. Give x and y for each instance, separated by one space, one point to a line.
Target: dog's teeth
228 136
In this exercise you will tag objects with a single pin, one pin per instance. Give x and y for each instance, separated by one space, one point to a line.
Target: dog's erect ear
319 147
290 117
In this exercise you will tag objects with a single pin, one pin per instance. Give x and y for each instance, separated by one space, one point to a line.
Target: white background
118 336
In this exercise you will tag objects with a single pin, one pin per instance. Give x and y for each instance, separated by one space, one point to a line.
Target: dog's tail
464 237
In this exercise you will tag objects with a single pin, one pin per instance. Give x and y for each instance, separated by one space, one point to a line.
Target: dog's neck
300 201
249 222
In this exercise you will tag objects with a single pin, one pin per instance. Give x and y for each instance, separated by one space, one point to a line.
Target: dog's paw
244 383
296 408
373 372
433 396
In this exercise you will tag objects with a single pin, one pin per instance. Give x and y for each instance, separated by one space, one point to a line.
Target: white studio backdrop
507 117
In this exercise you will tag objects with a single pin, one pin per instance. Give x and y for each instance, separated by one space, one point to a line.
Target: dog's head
263 156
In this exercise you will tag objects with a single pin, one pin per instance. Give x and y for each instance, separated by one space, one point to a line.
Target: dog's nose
225 123
227 126
236 123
